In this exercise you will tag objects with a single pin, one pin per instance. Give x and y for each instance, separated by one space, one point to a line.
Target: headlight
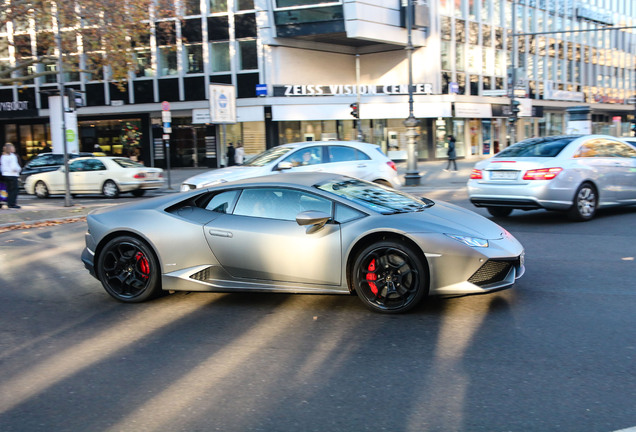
470 241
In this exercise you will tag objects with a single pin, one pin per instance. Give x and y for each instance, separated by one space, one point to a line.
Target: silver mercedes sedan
314 233
576 174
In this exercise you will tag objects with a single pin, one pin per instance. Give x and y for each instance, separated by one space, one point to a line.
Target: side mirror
312 218
284 166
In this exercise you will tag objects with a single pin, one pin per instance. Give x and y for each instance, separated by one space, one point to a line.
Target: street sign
165 106
494 93
166 116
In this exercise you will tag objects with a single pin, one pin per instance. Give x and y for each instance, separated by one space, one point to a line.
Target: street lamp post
412 177
60 86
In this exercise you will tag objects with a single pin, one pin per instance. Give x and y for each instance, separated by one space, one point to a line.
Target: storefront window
120 137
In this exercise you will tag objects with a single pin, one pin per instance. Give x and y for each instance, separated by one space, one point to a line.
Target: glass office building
298 65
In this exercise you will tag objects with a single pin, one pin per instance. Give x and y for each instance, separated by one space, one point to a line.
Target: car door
624 159
594 156
85 176
261 239
306 159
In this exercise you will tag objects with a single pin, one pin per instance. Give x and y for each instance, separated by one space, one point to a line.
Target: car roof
359 144
305 179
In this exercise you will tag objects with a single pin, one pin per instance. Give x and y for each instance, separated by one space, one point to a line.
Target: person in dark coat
230 154
452 155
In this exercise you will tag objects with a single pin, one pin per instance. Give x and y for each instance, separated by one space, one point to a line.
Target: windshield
537 147
127 163
267 156
375 197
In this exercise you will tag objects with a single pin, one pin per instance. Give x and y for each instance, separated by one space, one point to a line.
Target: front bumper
88 258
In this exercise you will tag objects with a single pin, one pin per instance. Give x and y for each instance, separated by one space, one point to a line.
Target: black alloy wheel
128 270
389 277
585 203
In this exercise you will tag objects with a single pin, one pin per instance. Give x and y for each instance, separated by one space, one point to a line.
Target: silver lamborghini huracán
315 233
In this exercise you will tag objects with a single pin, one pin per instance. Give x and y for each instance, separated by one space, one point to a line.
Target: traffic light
355 111
514 110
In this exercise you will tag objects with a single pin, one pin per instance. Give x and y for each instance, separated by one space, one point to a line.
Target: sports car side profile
313 233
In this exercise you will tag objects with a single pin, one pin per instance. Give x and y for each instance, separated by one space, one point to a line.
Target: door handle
220 233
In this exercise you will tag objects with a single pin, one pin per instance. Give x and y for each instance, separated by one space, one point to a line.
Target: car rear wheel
499 211
388 277
128 270
110 189
138 192
585 203
41 190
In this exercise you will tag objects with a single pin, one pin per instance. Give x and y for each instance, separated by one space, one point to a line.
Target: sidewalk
43 211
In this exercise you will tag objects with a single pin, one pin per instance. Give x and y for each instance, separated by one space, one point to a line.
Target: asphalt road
555 353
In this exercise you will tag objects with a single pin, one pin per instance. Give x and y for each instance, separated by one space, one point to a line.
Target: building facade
298 66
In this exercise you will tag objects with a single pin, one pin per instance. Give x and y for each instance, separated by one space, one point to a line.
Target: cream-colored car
108 176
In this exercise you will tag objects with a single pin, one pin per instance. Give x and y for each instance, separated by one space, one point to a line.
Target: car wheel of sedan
585 203
499 211
388 277
138 192
41 191
128 270
110 189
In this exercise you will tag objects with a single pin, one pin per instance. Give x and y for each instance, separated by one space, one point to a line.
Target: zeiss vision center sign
222 104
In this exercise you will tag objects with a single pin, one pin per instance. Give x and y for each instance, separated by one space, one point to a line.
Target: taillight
542 174
392 165
476 175
140 175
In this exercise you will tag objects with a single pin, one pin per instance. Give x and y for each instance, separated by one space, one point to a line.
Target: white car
351 158
105 175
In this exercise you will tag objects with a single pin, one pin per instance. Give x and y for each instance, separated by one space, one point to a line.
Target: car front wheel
128 270
499 211
41 190
585 203
388 277
110 189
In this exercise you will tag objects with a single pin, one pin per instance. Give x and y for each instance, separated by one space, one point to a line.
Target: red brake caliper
371 276
142 263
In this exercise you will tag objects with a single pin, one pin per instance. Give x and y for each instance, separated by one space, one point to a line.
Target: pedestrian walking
452 155
239 153
230 154
10 166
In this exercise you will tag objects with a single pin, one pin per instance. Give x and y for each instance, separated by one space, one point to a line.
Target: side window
94 165
344 154
77 166
623 150
283 204
346 214
305 156
222 202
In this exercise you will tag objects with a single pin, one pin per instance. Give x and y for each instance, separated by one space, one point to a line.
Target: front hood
226 175
448 218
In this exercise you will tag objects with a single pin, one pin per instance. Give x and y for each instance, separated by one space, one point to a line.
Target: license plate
151 175
503 175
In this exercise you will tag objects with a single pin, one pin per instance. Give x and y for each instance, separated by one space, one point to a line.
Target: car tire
128 270
389 277
585 203
138 192
501 212
110 189
41 190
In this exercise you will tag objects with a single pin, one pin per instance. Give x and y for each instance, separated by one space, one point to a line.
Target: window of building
218 6
248 58
220 54
193 58
143 58
167 61
245 5
293 3
218 28
245 26
192 7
